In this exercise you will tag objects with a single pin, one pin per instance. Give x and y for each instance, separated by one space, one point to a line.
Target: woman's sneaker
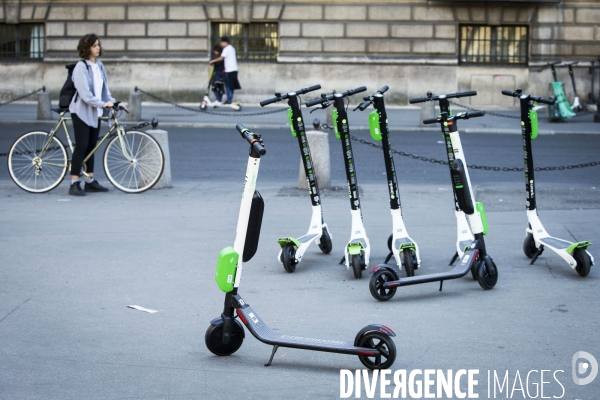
94 186
75 189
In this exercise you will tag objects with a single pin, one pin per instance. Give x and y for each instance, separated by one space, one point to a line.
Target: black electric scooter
384 280
404 250
373 344
536 237
358 250
576 106
293 249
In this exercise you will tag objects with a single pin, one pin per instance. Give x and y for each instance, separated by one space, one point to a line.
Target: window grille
21 42
494 45
252 42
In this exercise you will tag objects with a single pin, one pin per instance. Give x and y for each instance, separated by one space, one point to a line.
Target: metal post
597 115
162 137
134 106
44 108
318 142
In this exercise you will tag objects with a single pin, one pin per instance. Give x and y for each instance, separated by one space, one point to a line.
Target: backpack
68 90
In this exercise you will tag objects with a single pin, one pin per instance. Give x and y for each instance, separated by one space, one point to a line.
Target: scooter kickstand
272 355
388 258
537 254
343 260
441 284
454 257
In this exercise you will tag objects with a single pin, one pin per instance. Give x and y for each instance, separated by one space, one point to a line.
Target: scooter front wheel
288 257
357 264
379 278
584 263
382 343
409 261
487 280
214 339
325 242
529 247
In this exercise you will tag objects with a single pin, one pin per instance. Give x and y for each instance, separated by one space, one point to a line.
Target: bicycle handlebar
285 96
325 98
519 93
252 138
430 97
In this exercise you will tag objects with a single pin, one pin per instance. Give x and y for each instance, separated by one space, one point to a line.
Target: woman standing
87 106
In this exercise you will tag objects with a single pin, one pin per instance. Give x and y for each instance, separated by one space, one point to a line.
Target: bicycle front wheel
134 165
33 171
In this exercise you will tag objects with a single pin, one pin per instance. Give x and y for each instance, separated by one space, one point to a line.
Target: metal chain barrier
482 167
226 114
42 89
579 114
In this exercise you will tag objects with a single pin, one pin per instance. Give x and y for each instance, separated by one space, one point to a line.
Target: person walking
89 103
228 54
218 79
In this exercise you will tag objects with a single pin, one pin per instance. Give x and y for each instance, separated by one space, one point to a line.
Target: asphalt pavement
71 266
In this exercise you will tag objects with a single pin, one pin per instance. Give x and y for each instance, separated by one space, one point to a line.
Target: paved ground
71 266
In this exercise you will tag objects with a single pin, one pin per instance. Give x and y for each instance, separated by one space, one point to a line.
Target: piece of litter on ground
441 142
140 308
63 200
499 199
442 189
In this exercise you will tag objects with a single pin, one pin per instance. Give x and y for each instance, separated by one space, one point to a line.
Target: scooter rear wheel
409 261
486 280
214 341
288 257
529 246
377 281
584 263
357 264
325 242
384 344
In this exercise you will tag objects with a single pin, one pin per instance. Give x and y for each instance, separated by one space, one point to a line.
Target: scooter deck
458 271
262 332
307 238
556 243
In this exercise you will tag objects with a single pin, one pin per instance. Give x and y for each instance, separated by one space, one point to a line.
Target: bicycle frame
62 122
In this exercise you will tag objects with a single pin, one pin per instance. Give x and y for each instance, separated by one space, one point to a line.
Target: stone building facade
411 45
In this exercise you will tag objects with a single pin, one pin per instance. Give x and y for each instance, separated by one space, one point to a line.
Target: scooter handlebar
383 89
314 102
428 121
509 93
543 100
419 100
354 91
269 101
250 138
285 96
474 114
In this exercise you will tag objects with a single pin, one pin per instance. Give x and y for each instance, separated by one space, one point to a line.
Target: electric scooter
293 249
373 344
475 259
358 250
215 104
560 110
536 237
576 106
399 241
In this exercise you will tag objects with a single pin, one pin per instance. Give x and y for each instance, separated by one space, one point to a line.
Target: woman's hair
85 45
217 47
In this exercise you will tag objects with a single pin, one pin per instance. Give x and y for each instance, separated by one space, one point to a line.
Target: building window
21 42
493 45
252 42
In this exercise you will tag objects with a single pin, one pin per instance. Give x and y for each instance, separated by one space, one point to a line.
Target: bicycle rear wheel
136 169
32 172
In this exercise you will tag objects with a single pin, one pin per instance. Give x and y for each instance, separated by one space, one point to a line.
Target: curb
223 125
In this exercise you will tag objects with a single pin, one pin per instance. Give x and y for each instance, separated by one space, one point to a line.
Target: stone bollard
162 137
44 109
318 142
134 106
427 111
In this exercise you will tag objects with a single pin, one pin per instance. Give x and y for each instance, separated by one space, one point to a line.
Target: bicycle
133 160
